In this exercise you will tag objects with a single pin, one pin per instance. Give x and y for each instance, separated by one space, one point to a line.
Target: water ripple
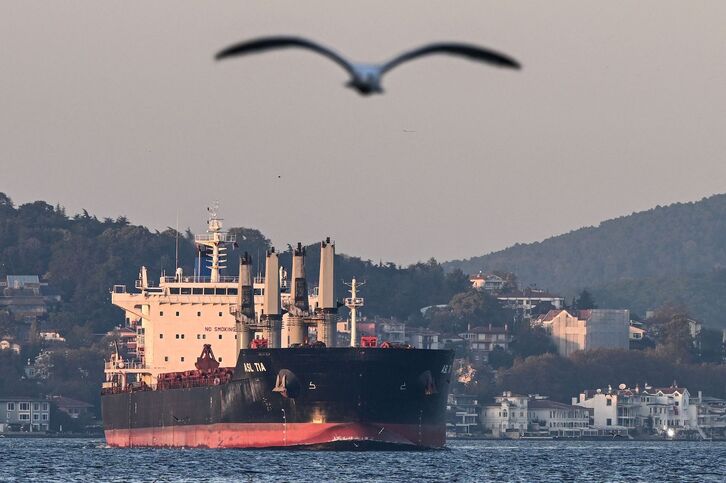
90 460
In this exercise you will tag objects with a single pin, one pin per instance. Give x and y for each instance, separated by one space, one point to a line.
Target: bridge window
174 290
231 291
208 291
186 290
220 291
197 291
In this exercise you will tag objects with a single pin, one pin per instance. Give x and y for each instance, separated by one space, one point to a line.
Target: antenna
176 255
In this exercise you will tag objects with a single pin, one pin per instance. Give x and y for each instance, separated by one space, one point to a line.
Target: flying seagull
366 78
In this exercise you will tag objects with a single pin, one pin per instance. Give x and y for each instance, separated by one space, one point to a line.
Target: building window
24 406
676 403
24 417
608 422
609 402
36 406
45 406
11 406
36 416
45 417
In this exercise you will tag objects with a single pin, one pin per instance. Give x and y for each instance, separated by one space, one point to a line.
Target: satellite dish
599 391
622 386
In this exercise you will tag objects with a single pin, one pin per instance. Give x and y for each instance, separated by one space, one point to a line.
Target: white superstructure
180 314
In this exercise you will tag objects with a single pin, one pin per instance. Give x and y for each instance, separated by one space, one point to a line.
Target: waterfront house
664 410
516 415
24 414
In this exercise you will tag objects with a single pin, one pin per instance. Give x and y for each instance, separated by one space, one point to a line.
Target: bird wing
270 43
472 52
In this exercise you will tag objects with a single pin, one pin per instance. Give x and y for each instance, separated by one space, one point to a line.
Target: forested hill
671 240
82 257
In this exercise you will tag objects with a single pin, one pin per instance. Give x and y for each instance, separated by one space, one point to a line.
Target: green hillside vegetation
641 261
82 257
680 238
702 294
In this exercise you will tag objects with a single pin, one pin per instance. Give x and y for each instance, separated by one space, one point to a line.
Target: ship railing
119 289
111 366
199 279
222 237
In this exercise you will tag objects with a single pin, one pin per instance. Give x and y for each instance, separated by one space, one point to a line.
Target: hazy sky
120 109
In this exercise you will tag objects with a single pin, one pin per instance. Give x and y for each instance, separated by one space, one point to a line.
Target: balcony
222 237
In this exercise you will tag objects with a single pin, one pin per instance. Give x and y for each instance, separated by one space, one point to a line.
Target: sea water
91 461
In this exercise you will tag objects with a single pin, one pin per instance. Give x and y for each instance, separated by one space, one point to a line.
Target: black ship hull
302 397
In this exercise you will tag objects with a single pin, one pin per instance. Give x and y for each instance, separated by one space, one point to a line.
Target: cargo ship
252 362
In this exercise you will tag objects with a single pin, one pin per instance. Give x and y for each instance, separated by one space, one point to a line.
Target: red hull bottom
275 435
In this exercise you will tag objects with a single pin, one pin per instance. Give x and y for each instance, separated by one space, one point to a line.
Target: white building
558 419
483 340
516 415
24 414
422 338
665 410
587 329
524 301
487 281
507 417
463 415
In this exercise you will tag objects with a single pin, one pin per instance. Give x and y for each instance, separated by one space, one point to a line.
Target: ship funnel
272 284
245 314
326 294
246 299
298 308
299 292
326 289
271 320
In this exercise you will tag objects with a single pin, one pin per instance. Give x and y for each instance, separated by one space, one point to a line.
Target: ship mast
353 302
216 239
